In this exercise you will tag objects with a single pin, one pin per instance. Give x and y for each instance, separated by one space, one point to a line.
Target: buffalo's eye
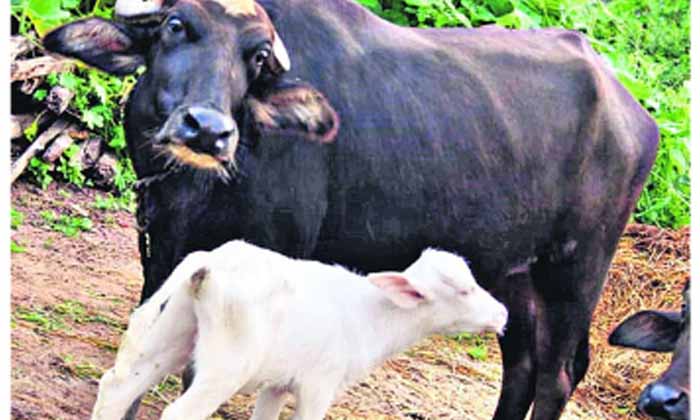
175 25
261 55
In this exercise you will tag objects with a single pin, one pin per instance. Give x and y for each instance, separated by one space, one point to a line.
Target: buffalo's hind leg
517 348
568 289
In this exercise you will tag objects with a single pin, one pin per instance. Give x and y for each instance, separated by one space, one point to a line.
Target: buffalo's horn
280 53
129 8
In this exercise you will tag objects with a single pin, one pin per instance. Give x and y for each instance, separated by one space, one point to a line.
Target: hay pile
649 271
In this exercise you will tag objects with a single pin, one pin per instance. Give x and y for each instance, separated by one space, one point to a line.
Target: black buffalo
667 398
517 149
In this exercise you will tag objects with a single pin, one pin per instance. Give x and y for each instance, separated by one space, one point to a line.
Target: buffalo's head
213 69
667 398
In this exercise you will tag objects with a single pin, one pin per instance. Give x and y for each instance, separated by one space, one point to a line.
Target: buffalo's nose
206 129
662 401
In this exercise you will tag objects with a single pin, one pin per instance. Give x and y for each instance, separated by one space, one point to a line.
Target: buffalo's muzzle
200 136
661 401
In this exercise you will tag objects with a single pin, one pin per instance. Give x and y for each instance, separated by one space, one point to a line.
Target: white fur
262 320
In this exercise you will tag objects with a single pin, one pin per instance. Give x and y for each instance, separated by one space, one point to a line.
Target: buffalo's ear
296 108
648 330
106 45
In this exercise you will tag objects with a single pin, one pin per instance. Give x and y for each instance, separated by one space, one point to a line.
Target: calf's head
441 283
214 69
668 397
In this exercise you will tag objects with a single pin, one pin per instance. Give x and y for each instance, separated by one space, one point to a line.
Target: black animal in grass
668 397
517 149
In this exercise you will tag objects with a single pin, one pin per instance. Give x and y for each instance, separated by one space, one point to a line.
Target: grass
63 315
70 226
476 346
46 321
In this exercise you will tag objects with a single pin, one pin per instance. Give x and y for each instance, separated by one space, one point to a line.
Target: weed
70 226
476 345
109 202
16 219
40 170
45 320
71 309
16 248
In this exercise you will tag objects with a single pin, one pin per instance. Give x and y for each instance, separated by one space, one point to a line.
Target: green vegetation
61 315
68 225
476 346
46 321
647 44
98 96
16 248
16 219
109 202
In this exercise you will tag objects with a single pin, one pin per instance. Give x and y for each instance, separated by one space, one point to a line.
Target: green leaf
47 9
93 118
478 352
40 94
118 141
16 218
70 4
15 248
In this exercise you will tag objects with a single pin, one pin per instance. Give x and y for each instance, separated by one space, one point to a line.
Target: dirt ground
71 297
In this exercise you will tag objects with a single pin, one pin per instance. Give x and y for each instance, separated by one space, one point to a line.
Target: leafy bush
647 43
98 96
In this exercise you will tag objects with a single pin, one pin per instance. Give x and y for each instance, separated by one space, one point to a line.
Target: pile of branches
54 126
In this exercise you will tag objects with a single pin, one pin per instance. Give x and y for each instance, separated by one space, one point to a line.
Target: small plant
70 226
71 309
81 369
109 202
70 167
16 248
40 170
476 345
45 321
16 219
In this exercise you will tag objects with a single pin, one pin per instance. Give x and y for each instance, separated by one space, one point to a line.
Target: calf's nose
206 130
661 400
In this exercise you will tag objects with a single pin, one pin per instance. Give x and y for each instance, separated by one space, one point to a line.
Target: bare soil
71 297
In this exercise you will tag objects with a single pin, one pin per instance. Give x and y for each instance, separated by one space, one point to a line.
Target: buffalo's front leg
517 348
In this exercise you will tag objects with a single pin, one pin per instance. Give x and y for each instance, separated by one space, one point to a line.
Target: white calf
254 318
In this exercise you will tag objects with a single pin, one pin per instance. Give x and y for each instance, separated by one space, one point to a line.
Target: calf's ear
295 108
648 330
109 46
397 288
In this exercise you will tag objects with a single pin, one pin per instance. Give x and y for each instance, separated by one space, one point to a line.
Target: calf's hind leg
157 342
218 377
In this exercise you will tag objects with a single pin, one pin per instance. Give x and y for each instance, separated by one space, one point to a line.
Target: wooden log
105 169
90 152
38 67
19 123
19 45
57 147
37 146
58 100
